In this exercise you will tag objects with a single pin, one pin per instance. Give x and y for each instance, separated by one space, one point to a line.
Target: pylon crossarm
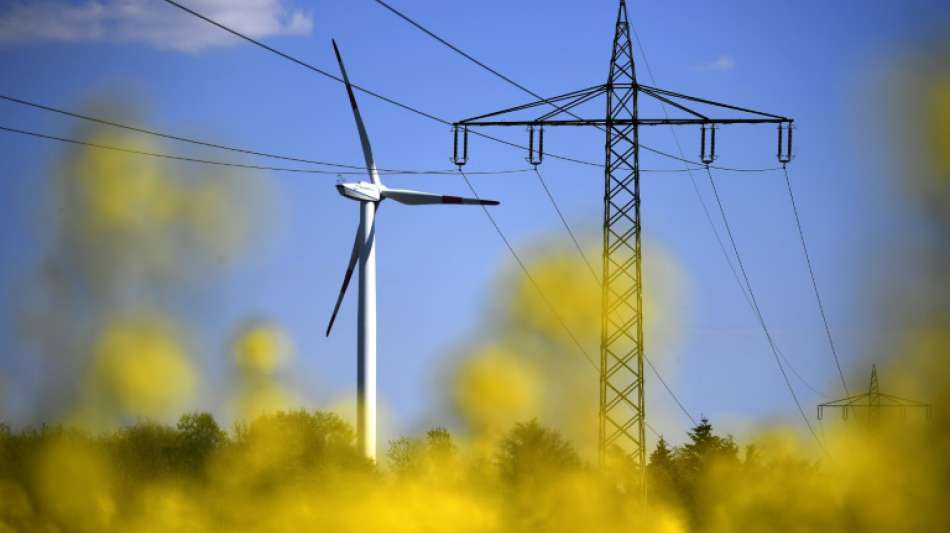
674 104
577 95
578 101
854 401
873 406
904 401
584 95
653 91
850 401
599 122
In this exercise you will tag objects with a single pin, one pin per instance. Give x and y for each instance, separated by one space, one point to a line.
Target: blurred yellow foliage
939 125
261 351
297 471
141 369
568 286
495 388
75 485
124 194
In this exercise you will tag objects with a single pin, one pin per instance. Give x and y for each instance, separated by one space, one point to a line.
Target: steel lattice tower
622 413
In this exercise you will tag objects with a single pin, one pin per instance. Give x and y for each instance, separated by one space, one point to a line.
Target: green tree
705 448
661 470
439 443
199 436
405 456
431 456
531 454
146 450
662 457
296 445
5 439
706 458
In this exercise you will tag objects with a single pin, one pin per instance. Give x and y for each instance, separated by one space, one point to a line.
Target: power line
528 275
758 311
458 50
547 191
173 137
428 115
162 155
462 53
510 81
407 107
709 220
670 391
147 131
567 226
247 151
180 138
554 204
698 164
814 283
550 306
590 268
302 63
683 159
386 99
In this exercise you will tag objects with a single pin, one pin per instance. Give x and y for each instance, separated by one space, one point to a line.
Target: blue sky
826 64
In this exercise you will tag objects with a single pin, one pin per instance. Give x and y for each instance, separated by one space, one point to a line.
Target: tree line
309 449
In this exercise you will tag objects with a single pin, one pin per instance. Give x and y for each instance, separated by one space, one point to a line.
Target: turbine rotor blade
405 196
364 138
354 256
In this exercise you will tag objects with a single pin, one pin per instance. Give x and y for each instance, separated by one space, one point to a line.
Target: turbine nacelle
362 191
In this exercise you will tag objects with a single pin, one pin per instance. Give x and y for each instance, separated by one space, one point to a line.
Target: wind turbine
369 195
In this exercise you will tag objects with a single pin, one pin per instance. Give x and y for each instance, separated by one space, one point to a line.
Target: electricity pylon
622 414
873 402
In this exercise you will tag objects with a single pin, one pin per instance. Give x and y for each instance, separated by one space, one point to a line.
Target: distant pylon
873 402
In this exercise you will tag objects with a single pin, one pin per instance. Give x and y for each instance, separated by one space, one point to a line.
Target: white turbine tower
369 195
